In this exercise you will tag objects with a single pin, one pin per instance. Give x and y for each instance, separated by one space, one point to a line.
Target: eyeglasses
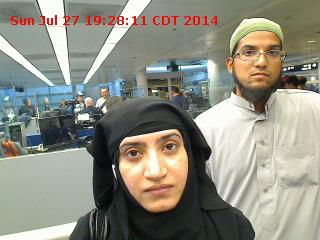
254 55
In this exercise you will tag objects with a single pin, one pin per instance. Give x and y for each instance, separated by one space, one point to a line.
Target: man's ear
229 64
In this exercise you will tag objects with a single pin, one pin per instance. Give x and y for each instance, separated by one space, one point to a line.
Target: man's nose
262 59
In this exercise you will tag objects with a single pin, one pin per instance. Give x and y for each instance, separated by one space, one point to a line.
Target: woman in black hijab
149 179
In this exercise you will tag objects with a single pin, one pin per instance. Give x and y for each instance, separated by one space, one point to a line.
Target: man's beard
255 95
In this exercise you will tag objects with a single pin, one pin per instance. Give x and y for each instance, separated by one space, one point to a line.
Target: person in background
93 111
149 179
8 111
265 142
303 85
291 82
79 104
302 82
27 108
179 99
46 104
12 149
102 101
63 108
63 104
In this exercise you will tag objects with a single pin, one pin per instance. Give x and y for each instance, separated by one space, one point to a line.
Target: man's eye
170 147
249 52
273 53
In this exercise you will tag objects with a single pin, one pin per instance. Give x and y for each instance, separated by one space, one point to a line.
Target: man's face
80 98
105 93
259 77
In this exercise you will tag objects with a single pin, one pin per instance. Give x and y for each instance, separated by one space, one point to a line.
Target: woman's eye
133 154
170 147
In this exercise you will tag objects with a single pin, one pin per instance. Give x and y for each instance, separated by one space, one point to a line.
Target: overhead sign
301 67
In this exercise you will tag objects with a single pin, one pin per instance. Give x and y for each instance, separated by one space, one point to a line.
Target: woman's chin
160 207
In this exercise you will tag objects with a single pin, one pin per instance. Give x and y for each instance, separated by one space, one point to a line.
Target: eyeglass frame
259 53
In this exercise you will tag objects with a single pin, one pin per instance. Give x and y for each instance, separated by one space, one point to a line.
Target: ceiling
146 45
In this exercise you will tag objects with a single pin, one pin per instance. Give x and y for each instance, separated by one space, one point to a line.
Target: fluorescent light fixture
15 55
132 8
164 69
57 33
190 67
156 69
103 54
116 34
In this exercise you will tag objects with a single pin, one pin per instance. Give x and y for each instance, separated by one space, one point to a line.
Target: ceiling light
132 9
116 34
15 55
192 67
103 54
311 41
57 33
165 69
156 69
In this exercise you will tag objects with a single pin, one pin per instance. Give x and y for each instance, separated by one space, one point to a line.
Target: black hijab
191 218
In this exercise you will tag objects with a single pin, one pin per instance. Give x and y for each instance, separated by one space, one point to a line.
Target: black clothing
180 101
112 102
30 110
46 107
200 214
92 111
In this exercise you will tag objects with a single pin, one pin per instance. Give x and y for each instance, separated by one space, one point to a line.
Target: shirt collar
243 103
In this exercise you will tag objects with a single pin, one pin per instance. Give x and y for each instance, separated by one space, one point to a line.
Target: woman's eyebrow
139 143
133 144
163 138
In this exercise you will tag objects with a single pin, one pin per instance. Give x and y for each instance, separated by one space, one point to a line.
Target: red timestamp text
55 20
156 20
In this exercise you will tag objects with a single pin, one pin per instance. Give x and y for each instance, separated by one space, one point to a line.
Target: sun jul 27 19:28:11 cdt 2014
55 20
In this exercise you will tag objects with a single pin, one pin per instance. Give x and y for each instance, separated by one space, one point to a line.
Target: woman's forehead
150 136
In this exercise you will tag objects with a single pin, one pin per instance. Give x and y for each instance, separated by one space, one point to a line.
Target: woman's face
154 167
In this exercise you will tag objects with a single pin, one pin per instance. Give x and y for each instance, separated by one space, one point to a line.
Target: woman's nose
155 168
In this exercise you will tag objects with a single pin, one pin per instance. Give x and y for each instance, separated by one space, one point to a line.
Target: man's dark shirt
30 110
94 112
180 101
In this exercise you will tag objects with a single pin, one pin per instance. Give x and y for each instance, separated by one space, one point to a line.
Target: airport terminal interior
56 55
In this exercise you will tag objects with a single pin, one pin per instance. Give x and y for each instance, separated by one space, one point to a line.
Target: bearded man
266 142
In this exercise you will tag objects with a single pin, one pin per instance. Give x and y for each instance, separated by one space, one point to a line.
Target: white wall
38 191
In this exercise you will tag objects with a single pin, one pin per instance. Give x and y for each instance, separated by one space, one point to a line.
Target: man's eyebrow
248 46
275 46
254 47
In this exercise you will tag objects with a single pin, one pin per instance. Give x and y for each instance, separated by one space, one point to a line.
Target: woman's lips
159 190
